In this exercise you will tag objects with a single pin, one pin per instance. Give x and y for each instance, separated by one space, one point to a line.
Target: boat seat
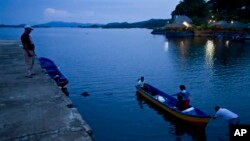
188 110
160 98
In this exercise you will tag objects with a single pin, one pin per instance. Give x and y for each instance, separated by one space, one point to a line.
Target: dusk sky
83 11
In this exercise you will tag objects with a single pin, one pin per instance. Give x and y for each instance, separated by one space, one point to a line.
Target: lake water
106 63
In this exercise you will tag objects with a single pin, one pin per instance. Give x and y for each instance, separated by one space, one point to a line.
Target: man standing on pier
29 50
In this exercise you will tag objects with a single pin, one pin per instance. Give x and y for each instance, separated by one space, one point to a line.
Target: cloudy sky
83 11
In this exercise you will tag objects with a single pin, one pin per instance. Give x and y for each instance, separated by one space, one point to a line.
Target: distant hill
143 24
64 24
17 26
152 23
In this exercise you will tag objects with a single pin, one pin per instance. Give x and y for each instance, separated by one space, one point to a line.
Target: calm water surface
107 62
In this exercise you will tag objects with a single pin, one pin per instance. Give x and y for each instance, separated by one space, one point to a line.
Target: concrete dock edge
34 108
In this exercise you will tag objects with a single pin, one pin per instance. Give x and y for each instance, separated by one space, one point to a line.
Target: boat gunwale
52 70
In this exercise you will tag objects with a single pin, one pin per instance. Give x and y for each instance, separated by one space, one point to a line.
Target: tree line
202 11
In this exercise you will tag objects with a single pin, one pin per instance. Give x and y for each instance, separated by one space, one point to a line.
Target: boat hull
53 71
198 120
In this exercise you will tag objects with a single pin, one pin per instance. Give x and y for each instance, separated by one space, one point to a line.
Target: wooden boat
192 115
53 71
177 127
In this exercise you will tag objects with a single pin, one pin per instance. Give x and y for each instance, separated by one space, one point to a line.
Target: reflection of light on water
184 48
210 47
227 43
166 46
182 44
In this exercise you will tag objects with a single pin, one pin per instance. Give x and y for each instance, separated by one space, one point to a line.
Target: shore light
186 24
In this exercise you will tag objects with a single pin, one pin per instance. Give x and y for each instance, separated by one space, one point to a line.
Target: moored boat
53 71
166 102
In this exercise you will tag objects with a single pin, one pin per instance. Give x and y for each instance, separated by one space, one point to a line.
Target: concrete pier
34 109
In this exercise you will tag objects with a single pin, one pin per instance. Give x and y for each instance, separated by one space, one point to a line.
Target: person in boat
141 83
229 116
185 96
181 103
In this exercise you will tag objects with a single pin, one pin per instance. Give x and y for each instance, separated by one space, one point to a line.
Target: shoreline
202 33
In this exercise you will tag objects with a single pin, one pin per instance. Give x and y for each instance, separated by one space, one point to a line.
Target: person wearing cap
229 116
29 50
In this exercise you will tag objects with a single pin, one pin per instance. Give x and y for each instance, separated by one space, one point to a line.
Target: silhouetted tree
195 9
237 10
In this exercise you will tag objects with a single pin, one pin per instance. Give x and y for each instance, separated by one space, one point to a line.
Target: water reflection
166 46
184 46
176 127
213 51
209 51
227 52
227 43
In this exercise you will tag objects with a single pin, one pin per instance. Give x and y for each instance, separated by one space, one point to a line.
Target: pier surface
34 108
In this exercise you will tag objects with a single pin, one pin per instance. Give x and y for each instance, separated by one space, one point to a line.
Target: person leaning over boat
229 116
185 96
29 50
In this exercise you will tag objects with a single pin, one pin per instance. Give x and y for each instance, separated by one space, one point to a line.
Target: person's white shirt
225 114
141 83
